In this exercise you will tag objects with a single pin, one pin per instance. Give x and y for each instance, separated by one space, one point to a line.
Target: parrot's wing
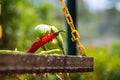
60 43
59 39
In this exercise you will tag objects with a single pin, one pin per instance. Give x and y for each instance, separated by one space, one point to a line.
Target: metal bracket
32 63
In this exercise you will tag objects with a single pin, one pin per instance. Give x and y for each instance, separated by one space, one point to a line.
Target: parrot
55 46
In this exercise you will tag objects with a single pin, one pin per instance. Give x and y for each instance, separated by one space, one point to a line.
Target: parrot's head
40 30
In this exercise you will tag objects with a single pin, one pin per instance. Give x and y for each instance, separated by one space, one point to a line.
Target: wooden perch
24 63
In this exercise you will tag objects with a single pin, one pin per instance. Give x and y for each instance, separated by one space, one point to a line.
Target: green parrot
53 47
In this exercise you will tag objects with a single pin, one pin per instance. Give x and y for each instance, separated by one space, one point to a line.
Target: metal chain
74 32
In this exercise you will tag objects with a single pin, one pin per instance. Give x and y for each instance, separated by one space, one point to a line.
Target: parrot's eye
39 31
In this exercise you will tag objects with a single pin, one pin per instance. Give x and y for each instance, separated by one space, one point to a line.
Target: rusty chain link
74 32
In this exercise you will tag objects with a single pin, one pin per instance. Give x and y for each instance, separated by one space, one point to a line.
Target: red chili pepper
42 41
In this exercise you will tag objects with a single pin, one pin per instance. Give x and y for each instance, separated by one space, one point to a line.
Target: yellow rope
74 32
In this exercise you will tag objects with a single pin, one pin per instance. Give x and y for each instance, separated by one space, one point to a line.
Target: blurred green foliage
19 18
9 25
106 61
